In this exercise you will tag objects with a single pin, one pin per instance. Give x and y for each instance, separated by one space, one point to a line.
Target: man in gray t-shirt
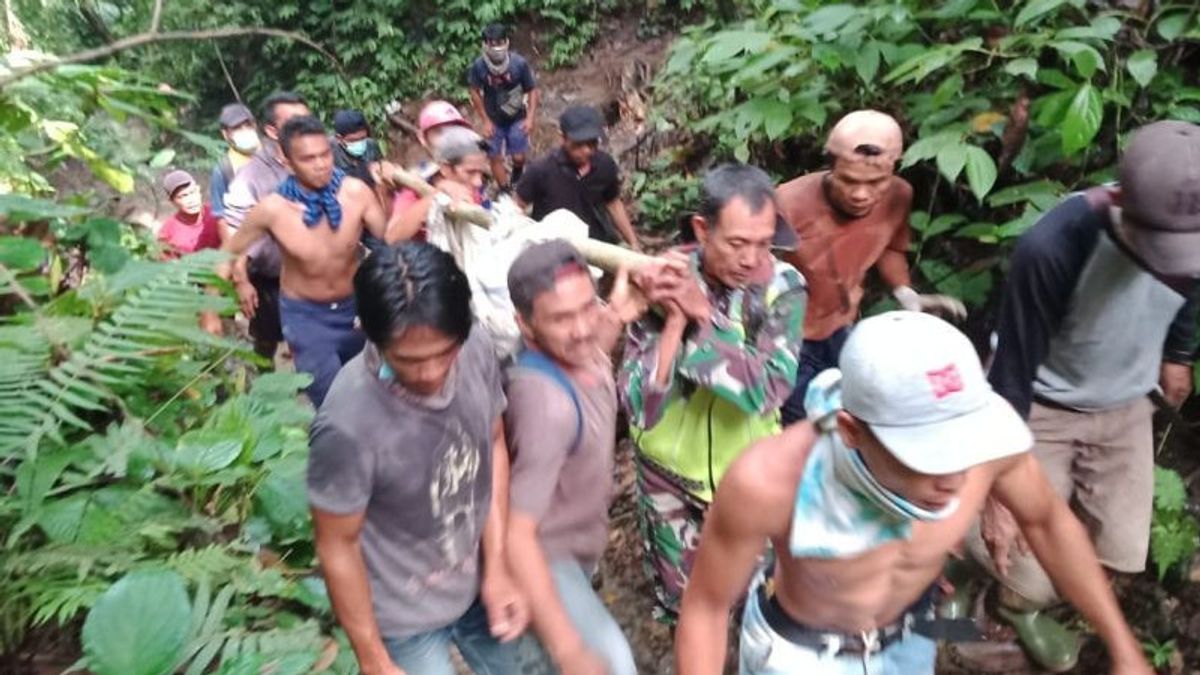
409 524
561 426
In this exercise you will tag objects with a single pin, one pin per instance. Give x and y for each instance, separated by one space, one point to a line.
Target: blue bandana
323 201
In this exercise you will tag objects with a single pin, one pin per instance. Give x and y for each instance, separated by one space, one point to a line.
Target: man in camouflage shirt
705 375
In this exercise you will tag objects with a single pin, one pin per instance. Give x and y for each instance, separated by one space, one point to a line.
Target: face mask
496 54
358 148
192 203
244 141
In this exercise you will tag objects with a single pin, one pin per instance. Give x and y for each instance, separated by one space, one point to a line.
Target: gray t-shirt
566 490
421 468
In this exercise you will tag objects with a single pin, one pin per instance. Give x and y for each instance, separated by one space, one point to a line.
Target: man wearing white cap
1099 309
862 506
850 218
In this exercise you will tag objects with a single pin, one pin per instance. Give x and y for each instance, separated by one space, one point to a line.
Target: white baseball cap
918 384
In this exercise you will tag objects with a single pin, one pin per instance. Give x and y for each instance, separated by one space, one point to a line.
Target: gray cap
1160 192
538 268
456 143
235 114
175 180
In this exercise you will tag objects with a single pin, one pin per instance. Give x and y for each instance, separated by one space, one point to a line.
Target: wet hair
456 144
304 125
277 99
494 32
734 180
412 284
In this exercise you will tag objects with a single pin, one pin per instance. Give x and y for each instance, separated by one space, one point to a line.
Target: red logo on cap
945 381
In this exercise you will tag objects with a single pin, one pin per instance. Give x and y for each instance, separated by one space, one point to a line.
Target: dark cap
348 122
785 238
1160 192
175 180
495 32
581 123
538 268
235 114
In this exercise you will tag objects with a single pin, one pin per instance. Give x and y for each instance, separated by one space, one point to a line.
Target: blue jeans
322 338
508 140
765 652
429 653
815 356
591 619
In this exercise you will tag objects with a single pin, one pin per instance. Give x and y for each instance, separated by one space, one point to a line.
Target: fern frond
157 306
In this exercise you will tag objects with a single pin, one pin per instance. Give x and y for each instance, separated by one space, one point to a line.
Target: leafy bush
1006 108
1174 533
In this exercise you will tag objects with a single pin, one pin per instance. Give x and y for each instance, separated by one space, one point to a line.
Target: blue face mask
358 148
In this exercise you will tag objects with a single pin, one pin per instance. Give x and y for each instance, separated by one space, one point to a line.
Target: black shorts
265 326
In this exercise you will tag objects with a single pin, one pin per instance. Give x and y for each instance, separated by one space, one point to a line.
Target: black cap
495 32
348 122
235 114
581 123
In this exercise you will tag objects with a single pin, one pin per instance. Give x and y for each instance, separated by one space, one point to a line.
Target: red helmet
439 113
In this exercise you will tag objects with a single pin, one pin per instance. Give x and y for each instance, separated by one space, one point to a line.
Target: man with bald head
849 218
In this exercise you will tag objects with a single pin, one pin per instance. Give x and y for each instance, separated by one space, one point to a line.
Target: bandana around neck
841 509
497 68
322 202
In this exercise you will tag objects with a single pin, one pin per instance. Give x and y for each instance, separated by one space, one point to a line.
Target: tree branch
175 36
156 17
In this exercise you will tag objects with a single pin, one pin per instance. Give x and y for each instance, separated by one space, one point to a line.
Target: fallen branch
152 37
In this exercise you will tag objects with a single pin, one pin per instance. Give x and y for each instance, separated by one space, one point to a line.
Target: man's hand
507 611
457 191
1001 534
580 661
527 125
938 305
678 283
247 298
211 324
386 668
489 129
1175 379
625 300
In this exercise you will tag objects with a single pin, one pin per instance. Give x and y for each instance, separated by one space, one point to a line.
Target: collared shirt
747 354
553 183
261 176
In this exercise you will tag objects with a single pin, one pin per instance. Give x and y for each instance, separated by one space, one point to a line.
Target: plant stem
208 369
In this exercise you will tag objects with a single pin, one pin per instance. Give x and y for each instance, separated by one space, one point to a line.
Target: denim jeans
765 652
815 356
429 653
322 338
591 619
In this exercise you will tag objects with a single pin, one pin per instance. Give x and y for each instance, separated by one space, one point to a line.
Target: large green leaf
1082 119
981 171
1170 494
1035 9
1143 66
1023 66
1041 193
205 451
950 160
21 254
282 498
138 626
20 208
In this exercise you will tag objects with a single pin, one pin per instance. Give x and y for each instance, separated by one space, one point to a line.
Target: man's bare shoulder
761 485
354 188
902 194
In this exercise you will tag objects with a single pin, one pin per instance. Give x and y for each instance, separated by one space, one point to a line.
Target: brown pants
1102 463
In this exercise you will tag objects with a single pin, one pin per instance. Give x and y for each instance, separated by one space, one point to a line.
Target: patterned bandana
841 509
322 202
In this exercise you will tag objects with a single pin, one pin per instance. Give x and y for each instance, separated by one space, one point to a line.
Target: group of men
814 471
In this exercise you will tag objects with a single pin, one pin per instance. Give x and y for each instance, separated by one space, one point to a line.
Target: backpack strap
540 363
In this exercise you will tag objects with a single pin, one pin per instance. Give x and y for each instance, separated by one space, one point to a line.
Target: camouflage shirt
747 354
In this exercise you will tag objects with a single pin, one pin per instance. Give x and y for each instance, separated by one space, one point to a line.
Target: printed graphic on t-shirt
452 495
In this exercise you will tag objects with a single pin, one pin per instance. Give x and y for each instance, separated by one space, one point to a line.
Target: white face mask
244 140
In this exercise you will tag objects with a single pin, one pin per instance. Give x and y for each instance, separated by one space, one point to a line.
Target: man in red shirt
850 218
193 226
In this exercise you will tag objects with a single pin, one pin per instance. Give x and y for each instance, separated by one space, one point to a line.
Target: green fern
156 313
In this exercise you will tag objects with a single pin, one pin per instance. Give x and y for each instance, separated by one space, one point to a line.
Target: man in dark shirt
581 178
1099 309
355 152
500 81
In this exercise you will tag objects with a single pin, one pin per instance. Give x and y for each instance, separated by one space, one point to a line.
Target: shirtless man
317 216
862 514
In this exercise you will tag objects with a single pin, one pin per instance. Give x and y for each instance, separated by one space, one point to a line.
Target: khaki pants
1102 463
